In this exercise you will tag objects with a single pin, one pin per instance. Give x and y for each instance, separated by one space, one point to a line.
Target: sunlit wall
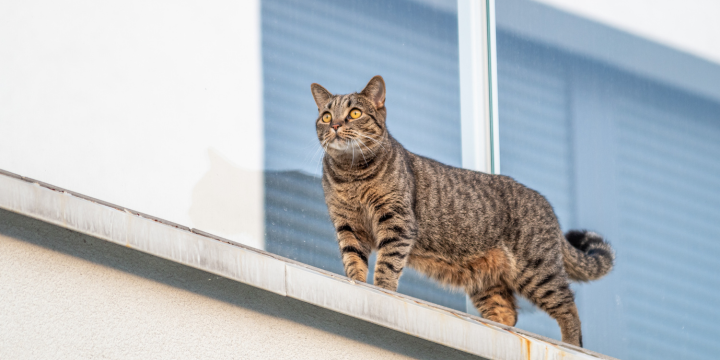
155 106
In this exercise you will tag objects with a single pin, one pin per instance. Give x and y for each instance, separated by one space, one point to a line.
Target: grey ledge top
274 273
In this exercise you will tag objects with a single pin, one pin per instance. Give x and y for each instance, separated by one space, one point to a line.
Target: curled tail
586 255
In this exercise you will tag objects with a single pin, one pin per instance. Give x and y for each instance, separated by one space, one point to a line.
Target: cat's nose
336 126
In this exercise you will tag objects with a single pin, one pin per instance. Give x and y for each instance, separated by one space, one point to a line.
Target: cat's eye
327 117
355 114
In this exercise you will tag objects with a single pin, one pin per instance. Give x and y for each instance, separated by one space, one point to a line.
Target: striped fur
486 234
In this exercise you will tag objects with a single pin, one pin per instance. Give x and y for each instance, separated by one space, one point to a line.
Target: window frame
478 91
478 85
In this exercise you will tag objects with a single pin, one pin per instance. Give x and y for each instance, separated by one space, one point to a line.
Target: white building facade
200 114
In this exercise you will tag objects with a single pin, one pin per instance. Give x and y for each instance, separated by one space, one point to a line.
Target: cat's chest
363 196
367 198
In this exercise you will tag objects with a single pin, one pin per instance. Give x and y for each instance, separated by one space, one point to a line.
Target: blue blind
341 45
535 132
669 195
660 148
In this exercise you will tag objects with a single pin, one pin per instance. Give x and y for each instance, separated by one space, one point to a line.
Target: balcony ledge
197 249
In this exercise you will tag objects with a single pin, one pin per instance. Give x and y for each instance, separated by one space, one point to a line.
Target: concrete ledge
273 273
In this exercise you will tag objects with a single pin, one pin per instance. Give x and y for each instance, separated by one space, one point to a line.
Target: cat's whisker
324 146
353 158
317 166
318 148
309 145
377 142
363 144
323 150
306 150
361 152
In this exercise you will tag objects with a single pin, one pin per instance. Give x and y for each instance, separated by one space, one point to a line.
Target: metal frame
478 90
478 85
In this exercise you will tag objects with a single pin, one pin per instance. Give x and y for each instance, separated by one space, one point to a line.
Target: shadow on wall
228 202
179 276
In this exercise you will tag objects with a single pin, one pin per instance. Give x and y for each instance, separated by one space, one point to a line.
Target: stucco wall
68 295
153 105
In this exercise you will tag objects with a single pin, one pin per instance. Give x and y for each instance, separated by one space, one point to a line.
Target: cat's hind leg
495 302
547 287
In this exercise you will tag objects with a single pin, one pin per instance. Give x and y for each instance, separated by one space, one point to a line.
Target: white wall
689 25
155 106
64 295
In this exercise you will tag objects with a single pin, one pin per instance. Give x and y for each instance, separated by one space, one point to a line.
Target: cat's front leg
354 251
353 239
395 232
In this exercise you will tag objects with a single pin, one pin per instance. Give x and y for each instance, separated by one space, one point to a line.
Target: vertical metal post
478 85
494 118
478 88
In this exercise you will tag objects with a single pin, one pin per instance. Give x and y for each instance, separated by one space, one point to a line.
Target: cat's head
352 123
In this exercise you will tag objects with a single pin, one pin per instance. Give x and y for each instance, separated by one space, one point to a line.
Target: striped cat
486 234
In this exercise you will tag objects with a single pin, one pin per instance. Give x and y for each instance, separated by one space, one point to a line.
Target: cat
486 234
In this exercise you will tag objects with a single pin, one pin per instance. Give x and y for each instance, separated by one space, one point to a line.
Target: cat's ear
321 95
375 90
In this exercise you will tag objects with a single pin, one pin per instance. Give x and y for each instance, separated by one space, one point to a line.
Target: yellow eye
355 114
327 117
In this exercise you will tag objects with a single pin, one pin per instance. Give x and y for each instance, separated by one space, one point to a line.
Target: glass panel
341 45
200 113
622 135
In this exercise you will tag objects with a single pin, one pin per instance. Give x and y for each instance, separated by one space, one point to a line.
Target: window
601 123
341 45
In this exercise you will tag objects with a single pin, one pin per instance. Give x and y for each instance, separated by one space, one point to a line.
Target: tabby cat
484 233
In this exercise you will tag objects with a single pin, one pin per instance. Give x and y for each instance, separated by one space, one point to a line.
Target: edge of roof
204 251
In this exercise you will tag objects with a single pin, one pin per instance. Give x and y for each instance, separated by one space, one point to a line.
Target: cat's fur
485 233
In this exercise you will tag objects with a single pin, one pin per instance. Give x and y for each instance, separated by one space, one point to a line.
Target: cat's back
457 203
441 184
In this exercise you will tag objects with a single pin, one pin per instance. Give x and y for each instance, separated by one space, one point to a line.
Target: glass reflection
341 45
633 154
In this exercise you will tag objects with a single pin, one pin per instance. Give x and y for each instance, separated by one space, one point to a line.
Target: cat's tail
586 255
